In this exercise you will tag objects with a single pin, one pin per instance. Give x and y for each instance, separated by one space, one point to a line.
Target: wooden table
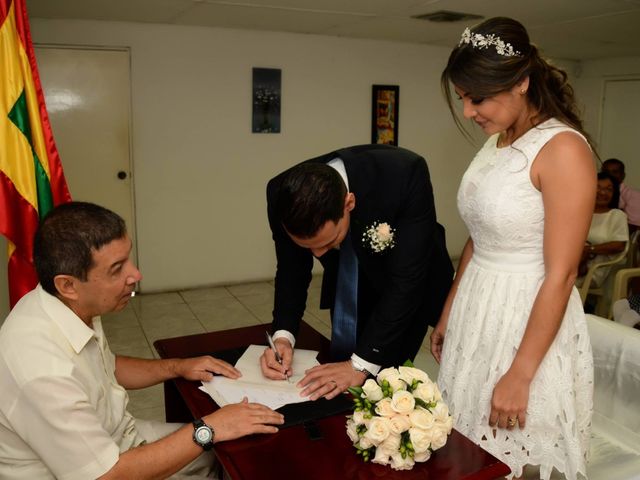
291 453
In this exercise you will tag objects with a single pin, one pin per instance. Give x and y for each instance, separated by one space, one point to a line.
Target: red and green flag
31 178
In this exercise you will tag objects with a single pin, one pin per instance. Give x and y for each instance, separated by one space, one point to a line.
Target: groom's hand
330 380
270 366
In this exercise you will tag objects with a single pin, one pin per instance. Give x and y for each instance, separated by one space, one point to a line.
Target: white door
620 127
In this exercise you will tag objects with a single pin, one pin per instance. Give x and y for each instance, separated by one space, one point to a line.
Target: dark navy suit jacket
401 291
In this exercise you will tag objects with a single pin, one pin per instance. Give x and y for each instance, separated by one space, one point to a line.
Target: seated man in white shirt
63 407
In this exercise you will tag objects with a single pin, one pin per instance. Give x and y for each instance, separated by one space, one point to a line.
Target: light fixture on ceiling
446 16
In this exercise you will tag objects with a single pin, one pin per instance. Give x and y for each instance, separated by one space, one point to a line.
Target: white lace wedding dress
505 216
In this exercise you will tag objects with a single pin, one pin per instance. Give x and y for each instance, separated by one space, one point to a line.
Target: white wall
589 87
200 173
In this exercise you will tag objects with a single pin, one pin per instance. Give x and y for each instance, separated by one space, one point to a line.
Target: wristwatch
203 434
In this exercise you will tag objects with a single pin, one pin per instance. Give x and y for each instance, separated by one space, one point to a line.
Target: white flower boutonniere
379 237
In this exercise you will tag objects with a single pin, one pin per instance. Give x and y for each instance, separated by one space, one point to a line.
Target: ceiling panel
372 7
539 11
400 29
252 17
569 29
591 38
152 11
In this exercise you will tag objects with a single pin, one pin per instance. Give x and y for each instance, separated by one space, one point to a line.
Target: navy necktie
345 310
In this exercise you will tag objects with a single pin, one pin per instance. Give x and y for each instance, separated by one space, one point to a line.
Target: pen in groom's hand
275 352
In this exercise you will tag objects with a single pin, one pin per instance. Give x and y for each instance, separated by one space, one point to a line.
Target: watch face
203 435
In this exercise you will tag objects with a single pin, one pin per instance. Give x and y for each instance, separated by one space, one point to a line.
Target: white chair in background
588 288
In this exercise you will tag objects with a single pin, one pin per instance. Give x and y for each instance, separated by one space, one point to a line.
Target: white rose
385 372
390 445
425 391
439 436
381 457
399 424
384 232
422 456
438 395
420 439
397 384
365 443
372 390
378 430
409 374
403 402
352 431
448 425
421 418
399 463
358 417
392 376
383 408
441 412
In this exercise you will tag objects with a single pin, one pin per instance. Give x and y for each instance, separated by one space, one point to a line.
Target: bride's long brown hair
483 72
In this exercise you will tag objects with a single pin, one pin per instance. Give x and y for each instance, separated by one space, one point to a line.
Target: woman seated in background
608 232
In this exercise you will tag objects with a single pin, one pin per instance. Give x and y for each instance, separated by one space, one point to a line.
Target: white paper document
257 388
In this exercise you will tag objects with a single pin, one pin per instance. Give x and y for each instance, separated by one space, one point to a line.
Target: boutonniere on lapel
378 237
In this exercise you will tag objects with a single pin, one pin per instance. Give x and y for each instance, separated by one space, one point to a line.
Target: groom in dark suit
367 213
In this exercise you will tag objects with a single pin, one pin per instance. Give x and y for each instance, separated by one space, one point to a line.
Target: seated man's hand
203 368
330 380
240 419
270 366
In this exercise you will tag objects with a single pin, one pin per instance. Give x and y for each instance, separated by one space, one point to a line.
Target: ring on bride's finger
511 421
335 385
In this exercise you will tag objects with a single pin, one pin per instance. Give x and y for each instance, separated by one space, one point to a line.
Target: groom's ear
349 202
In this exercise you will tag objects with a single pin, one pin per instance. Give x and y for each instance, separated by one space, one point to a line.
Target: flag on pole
31 177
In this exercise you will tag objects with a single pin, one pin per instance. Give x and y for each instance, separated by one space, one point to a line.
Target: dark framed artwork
267 84
384 114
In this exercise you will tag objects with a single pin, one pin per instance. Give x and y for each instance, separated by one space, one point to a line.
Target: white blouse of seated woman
608 232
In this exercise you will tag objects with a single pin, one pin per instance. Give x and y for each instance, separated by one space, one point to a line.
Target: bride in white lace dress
516 365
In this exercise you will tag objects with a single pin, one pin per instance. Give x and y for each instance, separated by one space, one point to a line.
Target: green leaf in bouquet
408 363
426 405
367 453
355 391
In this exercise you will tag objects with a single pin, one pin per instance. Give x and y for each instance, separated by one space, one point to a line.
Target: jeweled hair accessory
481 42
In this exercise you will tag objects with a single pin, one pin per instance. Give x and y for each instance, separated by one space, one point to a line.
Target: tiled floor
150 317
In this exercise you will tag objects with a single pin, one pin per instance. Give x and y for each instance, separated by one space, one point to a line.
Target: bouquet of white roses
399 418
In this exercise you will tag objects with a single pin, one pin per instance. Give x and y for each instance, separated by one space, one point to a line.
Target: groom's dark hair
310 195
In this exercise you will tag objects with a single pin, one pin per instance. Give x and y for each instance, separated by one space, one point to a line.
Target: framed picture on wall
267 84
384 114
